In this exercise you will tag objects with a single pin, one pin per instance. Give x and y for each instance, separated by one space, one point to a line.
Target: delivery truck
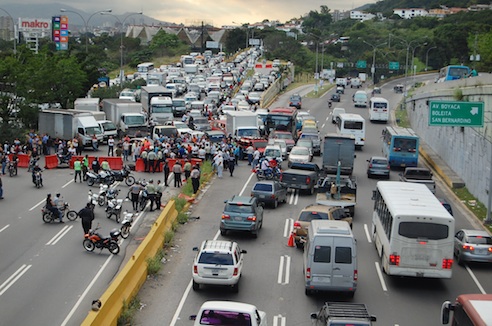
148 92
86 104
242 124
67 124
338 148
127 117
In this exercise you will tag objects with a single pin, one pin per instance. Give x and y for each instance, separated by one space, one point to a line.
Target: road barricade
115 163
50 161
139 165
196 161
73 159
23 160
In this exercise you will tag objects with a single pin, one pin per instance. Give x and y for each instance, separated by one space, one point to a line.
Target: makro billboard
34 25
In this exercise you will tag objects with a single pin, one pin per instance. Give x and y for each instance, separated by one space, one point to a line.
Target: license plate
238 218
215 272
321 279
262 196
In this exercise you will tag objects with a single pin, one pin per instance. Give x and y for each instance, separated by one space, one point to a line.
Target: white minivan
330 258
360 99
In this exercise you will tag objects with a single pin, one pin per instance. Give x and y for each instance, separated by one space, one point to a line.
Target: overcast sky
216 12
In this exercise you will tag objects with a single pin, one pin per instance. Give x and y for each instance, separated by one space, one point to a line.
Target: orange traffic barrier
196 161
50 161
116 163
171 162
290 243
73 159
23 160
139 165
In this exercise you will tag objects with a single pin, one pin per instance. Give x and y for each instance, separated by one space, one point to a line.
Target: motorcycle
32 163
38 179
268 174
126 225
95 240
143 197
124 174
114 208
106 193
64 159
93 200
103 177
12 168
49 217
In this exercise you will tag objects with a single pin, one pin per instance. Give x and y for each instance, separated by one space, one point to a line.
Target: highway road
46 276
272 274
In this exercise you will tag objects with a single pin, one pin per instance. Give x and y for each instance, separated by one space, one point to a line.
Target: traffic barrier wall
131 278
139 165
50 161
196 161
23 160
116 163
73 159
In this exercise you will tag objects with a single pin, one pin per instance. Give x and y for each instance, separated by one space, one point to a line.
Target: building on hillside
410 13
479 7
338 15
361 15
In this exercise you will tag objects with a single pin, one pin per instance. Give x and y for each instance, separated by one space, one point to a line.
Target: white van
360 99
108 129
330 257
335 114
378 109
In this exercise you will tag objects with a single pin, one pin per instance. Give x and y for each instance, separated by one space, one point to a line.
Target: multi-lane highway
273 272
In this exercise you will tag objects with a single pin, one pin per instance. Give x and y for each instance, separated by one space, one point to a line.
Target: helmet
58 195
151 180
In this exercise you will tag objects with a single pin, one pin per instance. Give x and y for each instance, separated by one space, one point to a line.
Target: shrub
128 312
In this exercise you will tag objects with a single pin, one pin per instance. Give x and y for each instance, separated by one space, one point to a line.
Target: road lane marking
5 227
278 320
246 184
288 227
380 275
34 207
181 304
368 235
59 235
474 278
13 278
296 197
66 184
322 126
284 265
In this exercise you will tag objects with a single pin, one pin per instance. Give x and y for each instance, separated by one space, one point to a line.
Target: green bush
128 312
180 203
154 264
182 218
168 237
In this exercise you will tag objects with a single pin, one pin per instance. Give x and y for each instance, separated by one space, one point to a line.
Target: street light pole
427 56
86 23
373 69
121 38
13 26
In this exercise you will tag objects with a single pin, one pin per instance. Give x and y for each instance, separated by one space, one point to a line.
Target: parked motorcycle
143 196
49 217
106 193
12 168
95 240
38 179
92 199
114 208
103 177
124 174
126 225
64 159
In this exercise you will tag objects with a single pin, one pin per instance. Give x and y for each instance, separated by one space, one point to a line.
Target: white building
361 15
410 13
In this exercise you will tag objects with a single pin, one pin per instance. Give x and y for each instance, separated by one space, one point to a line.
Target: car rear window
343 255
215 258
309 216
376 161
263 187
223 318
238 208
322 254
480 240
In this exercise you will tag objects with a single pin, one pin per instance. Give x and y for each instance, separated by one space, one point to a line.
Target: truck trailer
127 117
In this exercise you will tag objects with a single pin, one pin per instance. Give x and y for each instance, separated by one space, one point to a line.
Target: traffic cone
290 243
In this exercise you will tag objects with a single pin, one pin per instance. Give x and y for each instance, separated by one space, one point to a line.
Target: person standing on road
166 172
219 163
87 216
187 169
158 196
232 164
134 192
85 166
110 146
151 191
195 178
77 167
256 158
177 170
143 155
1 188
96 166
151 158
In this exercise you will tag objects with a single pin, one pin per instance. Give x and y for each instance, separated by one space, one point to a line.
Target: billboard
60 32
34 25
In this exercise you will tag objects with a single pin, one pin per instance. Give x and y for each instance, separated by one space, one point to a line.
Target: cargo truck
156 78
242 124
343 314
86 104
161 109
148 92
127 117
67 124
338 148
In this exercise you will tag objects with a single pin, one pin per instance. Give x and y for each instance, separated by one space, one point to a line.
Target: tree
235 40
163 43
317 22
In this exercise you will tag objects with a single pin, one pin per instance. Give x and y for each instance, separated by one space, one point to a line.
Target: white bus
144 68
352 124
378 109
412 231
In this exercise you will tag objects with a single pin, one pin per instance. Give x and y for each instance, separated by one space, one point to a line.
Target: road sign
461 114
361 64
394 65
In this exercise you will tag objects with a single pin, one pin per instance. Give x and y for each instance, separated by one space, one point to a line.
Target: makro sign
34 24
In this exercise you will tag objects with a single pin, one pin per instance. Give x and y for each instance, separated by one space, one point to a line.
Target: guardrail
131 278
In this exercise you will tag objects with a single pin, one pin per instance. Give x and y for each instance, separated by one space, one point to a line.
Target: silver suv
218 262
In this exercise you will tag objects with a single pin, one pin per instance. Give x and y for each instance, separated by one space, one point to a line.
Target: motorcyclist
51 206
15 161
36 169
265 165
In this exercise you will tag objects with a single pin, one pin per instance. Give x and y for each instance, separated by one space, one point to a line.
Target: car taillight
280 179
370 165
308 180
396 149
297 225
251 218
236 271
490 249
394 260
356 275
468 247
388 167
272 196
308 272
447 263
195 269
226 217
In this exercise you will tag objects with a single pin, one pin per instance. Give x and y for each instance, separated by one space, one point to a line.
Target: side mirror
373 195
314 315
193 317
244 251
195 248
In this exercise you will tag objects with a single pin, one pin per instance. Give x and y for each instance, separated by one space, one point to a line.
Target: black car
335 97
295 101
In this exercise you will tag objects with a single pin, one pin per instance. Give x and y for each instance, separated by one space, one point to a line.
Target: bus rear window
419 230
